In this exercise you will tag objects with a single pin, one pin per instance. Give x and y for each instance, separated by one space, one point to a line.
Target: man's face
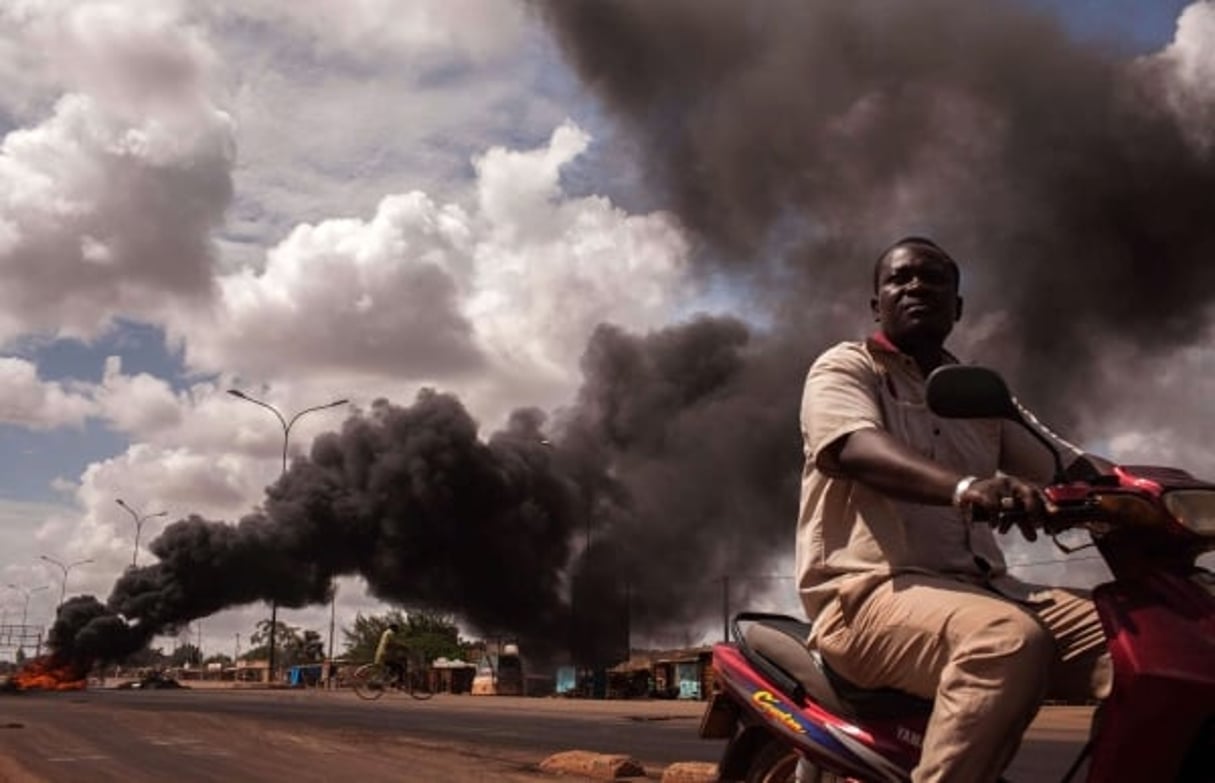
917 300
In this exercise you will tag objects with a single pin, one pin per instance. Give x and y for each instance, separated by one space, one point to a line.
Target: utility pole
332 617
286 435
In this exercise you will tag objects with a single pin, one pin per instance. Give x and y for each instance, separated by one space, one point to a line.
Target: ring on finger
1008 503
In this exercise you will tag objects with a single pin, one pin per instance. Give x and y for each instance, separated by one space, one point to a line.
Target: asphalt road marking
166 741
70 759
189 745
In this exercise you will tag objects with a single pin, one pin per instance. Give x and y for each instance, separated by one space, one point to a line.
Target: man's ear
873 308
957 313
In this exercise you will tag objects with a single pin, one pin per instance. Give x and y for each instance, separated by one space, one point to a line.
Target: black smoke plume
409 498
799 138
86 631
700 433
567 540
796 139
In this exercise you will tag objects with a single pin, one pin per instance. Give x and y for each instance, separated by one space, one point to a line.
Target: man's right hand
1008 501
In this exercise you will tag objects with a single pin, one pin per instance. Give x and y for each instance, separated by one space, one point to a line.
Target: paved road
199 735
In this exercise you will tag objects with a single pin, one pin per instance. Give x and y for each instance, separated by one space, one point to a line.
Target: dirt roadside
249 750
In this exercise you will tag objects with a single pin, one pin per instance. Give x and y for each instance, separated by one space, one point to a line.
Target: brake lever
1067 550
1081 513
1009 519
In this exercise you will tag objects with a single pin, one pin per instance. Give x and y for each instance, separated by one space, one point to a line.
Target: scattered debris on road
153 681
596 766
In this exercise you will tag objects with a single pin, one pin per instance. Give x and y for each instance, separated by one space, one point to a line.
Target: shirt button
936 430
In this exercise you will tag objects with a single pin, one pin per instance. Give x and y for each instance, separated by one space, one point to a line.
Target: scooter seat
781 642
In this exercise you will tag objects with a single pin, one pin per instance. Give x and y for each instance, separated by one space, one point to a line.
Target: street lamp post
64 569
287 425
139 520
25 609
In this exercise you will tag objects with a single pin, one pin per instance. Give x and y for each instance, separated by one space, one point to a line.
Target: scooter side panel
838 743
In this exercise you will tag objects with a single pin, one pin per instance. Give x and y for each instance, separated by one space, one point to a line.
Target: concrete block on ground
690 772
597 766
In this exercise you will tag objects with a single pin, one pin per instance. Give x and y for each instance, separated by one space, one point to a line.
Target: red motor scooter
788 717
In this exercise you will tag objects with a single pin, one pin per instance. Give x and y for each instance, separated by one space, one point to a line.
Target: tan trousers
986 661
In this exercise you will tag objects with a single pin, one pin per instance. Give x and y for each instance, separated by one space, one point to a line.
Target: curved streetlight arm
65 569
27 592
287 425
333 404
139 520
256 401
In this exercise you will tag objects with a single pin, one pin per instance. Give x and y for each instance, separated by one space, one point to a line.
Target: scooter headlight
1194 508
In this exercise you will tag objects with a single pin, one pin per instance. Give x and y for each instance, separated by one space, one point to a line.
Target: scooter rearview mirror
959 392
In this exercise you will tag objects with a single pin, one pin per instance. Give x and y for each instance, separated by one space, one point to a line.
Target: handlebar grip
981 516
1061 518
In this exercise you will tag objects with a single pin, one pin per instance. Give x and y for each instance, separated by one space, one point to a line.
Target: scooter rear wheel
778 763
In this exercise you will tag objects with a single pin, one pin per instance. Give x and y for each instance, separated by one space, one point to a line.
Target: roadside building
452 676
500 673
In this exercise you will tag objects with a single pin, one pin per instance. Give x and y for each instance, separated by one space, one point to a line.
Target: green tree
430 634
304 648
186 654
259 642
220 658
291 645
433 635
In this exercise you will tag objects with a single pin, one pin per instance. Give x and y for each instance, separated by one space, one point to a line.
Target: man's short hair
915 241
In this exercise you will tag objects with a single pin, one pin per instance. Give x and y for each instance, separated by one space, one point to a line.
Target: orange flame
47 674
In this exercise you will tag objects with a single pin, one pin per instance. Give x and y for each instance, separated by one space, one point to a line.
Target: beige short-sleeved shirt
850 536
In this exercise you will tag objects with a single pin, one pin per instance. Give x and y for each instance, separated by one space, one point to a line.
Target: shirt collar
878 341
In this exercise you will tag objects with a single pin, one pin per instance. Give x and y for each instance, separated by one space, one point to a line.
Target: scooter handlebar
1056 519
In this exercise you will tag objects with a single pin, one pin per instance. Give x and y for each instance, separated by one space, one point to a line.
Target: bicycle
373 680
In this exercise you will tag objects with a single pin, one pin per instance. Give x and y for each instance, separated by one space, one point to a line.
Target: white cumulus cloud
510 289
31 402
107 203
1188 65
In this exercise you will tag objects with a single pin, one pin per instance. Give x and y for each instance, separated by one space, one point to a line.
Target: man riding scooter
905 592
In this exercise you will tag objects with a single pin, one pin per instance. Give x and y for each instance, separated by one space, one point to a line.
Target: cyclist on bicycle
391 653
